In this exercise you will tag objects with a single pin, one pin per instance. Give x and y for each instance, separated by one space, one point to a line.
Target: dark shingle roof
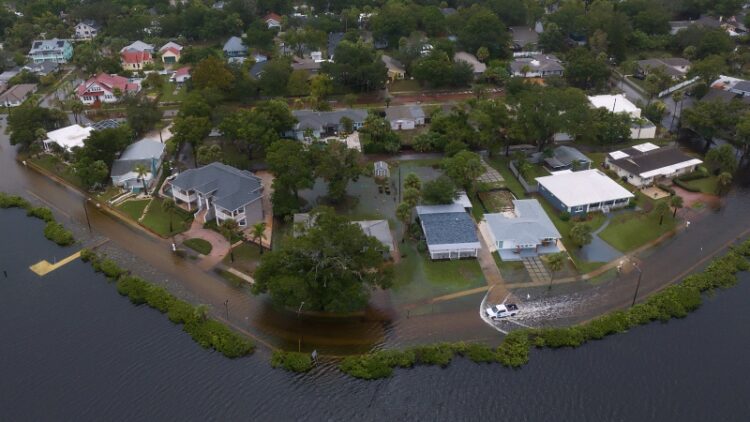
652 160
447 224
230 188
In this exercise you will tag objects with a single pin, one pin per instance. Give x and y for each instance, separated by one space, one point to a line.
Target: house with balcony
104 88
220 192
54 50
525 232
234 47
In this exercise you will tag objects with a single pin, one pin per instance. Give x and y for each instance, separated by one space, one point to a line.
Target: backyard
708 185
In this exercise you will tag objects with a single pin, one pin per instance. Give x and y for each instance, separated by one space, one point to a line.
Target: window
578 208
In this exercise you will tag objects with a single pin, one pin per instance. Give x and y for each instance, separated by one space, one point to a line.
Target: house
272 20
181 75
146 152
405 117
581 192
567 158
381 170
138 46
257 69
741 88
54 50
646 164
170 53
16 95
9 74
641 128
334 39
86 30
104 88
234 47
523 37
134 60
478 67
67 137
449 231
311 66
42 68
716 94
396 70
220 192
704 21
525 232
379 229
674 67
324 123
536 66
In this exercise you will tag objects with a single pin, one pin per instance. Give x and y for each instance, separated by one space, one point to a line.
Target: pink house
104 88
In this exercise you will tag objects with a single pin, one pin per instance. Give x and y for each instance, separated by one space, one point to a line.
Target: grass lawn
709 185
404 85
417 277
158 220
632 230
500 163
534 172
199 245
109 193
134 209
246 258
55 165
170 93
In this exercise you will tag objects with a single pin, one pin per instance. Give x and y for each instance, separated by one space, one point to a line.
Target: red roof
133 56
108 82
273 16
174 51
182 71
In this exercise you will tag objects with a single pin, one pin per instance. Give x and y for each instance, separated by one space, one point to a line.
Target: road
673 109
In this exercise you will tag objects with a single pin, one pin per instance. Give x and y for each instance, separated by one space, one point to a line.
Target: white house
449 231
220 192
641 128
67 137
105 88
87 29
405 117
181 75
581 192
272 20
146 152
524 232
645 164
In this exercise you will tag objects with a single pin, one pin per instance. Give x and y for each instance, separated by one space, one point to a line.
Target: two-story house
54 50
234 47
87 29
220 192
135 60
104 88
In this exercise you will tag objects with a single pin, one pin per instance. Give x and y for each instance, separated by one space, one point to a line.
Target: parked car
502 311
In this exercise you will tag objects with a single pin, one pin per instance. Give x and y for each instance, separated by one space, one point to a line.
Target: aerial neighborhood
397 146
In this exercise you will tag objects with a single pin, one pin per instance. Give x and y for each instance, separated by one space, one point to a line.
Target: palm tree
229 229
403 212
725 180
525 69
676 203
169 207
677 97
555 263
258 233
661 209
76 107
142 171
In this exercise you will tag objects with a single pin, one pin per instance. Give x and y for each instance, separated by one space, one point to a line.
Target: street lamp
640 276
226 306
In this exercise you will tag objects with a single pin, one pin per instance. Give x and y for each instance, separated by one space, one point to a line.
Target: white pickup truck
502 310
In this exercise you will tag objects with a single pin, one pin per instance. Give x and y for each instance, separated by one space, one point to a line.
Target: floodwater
73 349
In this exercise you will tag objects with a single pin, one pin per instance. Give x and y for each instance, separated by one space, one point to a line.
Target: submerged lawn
630 231
417 277
158 220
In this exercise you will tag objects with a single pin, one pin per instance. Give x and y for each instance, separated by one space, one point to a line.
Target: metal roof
529 224
229 187
583 187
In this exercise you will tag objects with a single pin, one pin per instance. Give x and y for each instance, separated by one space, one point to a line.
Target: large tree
708 119
463 168
585 70
26 119
212 73
337 165
543 112
292 165
104 145
377 136
357 66
332 267
476 27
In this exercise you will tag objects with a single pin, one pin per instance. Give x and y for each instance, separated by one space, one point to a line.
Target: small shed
382 170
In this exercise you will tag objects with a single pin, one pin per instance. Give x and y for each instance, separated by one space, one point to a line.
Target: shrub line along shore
675 301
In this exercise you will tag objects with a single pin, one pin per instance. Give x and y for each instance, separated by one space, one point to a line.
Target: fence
678 86
526 186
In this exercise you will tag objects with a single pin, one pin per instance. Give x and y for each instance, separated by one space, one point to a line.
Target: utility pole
226 307
638 285
86 213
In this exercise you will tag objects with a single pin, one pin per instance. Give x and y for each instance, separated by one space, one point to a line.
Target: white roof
616 155
583 187
69 137
645 147
463 200
614 103
669 170
138 46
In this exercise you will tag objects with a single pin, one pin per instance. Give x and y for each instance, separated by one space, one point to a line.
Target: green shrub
13 201
514 350
378 364
565 216
685 186
213 334
291 361
436 354
616 322
135 288
559 337
58 234
88 255
109 268
41 213
181 312
159 298
479 353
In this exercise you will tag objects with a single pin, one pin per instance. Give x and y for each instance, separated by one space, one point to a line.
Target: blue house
524 233
54 50
581 192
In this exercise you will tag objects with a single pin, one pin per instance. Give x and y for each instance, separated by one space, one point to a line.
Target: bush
135 288
437 354
88 255
58 234
666 188
13 201
565 216
41 213
514 350
478 353
159 298
181 312
108 268
213 334
291 361
685 186
377 365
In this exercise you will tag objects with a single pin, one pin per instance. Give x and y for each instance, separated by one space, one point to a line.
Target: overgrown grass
199 245
675 301
205 331
54 165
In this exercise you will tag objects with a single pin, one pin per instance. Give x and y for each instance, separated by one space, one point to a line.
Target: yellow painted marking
42 268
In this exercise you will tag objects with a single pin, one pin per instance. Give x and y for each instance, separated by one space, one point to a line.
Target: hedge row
291 361
675 301
207 332
685 186
53 231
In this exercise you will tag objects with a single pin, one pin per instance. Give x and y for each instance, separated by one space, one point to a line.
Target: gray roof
742 86
234 44
334 38
17 92
669 66
378 229
91 23
42 68
138 46
529 224
523 35
412 112
564 156
48 45
257 69
538 62
392 63
229 187
447 224
122 167
652 160
318 120
145 148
